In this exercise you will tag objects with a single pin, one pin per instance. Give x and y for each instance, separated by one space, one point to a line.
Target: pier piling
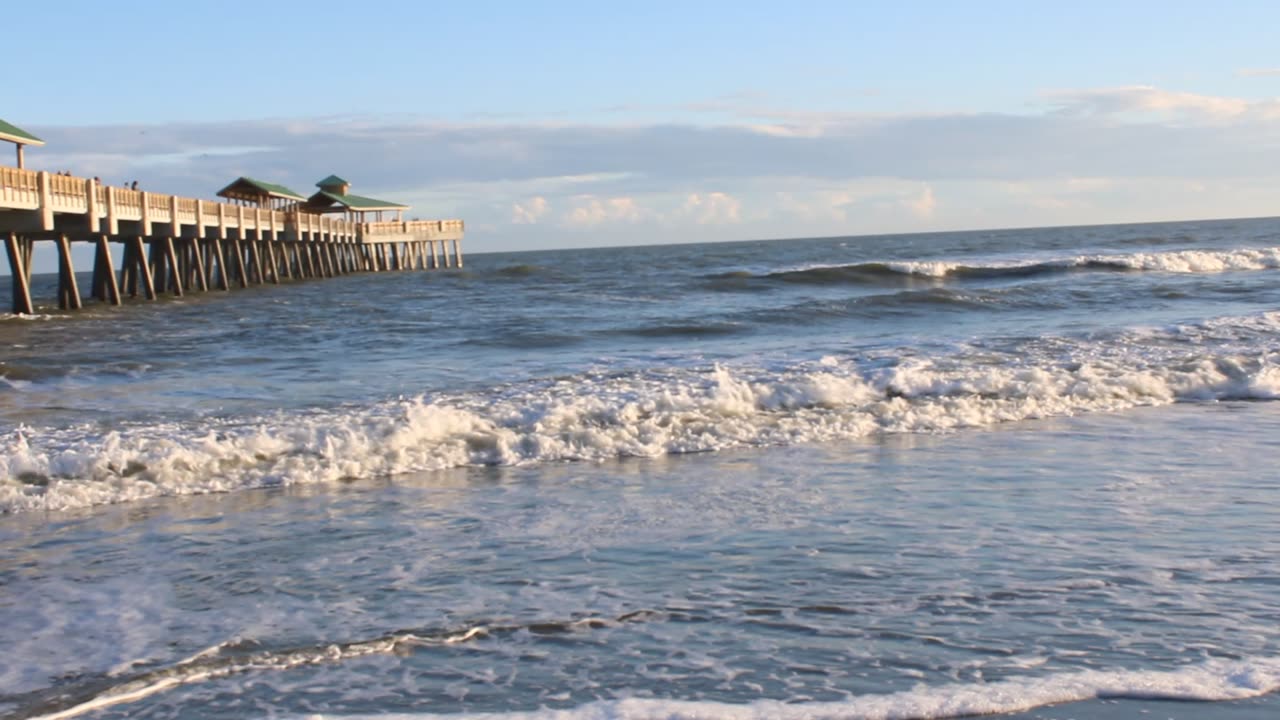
16 251
68 291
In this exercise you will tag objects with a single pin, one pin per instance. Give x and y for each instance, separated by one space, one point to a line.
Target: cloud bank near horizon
1080 156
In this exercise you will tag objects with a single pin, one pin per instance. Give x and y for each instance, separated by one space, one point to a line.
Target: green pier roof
15 134
357 202
248 188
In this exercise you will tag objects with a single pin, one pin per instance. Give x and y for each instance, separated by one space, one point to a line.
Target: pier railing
53 195
418 229
19 188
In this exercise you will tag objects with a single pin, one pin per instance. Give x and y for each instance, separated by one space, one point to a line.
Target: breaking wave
1174 261
600 416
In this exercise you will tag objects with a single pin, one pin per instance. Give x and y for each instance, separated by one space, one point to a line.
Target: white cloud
713 208
922 205
1146 99
529 211
788 130
773 175
840 204
589 211
1258 72
1090 184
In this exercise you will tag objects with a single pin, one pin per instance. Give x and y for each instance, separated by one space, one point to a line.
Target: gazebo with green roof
335 196
19 137
247 191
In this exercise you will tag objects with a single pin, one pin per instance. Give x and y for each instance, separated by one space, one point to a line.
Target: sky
577 124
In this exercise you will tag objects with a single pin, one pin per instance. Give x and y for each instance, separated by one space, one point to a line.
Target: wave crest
1173 261
644 414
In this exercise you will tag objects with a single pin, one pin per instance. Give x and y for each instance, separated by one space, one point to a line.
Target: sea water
918 476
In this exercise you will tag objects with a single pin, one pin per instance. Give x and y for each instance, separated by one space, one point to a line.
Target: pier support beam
282 261
255 258
242 275
271 261
175 272
220 256
20 277
317 252
68 290
198 266
143 269
104 273
325 260
135 270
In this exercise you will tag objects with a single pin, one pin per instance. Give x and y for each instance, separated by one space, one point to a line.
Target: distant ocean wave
519 339
521 270
879 305
895 272
683 329
646 413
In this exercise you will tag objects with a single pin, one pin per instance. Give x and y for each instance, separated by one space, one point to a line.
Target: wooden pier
175 245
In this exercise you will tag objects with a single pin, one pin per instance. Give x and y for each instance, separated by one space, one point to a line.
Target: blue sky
568 124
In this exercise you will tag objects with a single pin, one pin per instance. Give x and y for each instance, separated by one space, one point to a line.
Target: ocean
1022 472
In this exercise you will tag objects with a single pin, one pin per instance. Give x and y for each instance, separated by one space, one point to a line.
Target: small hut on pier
255 193
335 196
19 137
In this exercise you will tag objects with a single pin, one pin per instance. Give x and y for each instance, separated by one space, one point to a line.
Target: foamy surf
1214 681
218 662
1187 261
594 417
1172 261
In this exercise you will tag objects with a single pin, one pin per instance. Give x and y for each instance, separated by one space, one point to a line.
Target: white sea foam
1173 261
1217 681
598 417
1196 261
1214 681
209 665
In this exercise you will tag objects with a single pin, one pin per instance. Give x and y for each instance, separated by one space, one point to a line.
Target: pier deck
177 244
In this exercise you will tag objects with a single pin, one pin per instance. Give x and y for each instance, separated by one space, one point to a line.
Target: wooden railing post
46 201
91 191
175 225
113 223
146 215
